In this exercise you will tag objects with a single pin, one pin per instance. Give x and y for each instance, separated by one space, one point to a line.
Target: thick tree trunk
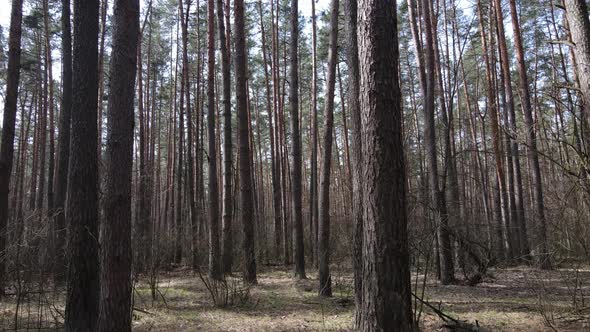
8 125
246 199
116 258
387 295
82 194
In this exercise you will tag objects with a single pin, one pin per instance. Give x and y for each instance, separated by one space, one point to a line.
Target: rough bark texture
386 290
227 250
214 250
579 27
82 194
246 197
326 162
116 257
8 124
296 185
357 164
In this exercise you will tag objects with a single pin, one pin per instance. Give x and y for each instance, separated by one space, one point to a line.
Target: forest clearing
514 299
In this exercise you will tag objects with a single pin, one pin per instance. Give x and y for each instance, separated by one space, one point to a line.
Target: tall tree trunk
324 197
143 207
512 147
82 208
227 250
49 69
437 197
246 199
492 106
386 297
8 125
357 164
313 187
190 181
296 159
276 197
180 168
214 250
42 128
116 257
63 140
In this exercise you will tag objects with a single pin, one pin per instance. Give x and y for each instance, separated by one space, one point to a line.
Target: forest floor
514 299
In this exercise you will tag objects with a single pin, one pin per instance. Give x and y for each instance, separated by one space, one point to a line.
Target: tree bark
8 125
327 139
214 250
352 61
227 250
386 301
437 197
313 187
116 258
82 194
246 199
296 159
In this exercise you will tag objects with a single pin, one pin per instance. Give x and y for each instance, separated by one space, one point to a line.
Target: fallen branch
451 323
142 311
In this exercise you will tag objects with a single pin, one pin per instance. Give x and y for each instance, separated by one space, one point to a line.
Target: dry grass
516 299
279 303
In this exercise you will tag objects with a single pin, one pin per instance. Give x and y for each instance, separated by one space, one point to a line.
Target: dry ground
515 299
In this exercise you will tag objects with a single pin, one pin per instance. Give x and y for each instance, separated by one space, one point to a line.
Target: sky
4 13
304 8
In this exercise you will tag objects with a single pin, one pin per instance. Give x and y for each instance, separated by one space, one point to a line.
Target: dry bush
227 292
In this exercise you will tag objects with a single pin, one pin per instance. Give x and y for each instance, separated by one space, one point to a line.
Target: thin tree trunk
313 187
437 197
357 193
64 141
227 250
215 271
325 286
296 159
